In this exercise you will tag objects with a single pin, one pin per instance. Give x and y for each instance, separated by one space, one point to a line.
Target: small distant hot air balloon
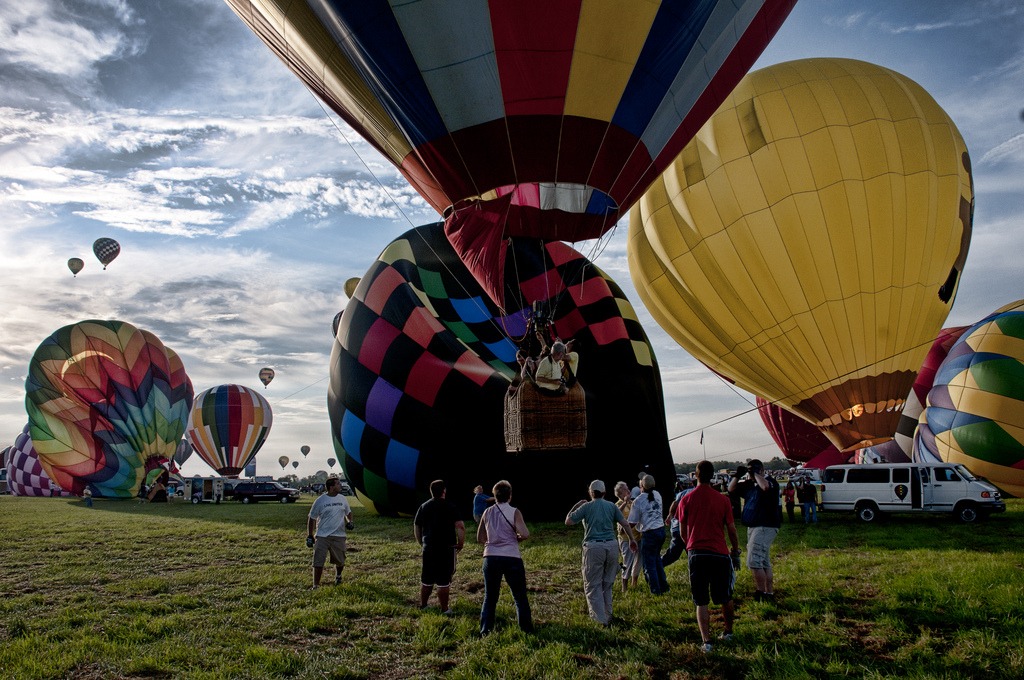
305 451
295 464
183 451
331 462
106 249
283 460
76 265
266 375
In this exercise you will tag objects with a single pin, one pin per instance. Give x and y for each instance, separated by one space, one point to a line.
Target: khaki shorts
329 545
759 543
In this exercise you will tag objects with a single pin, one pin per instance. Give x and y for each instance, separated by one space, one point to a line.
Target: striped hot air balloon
550 118
228 425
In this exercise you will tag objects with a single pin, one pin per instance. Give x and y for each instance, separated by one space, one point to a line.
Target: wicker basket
537 421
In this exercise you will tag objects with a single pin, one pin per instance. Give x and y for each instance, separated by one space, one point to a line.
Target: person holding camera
438 527
329 518
600 549
762 516
703 515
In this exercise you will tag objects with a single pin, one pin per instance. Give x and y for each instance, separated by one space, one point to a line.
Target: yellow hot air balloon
807 243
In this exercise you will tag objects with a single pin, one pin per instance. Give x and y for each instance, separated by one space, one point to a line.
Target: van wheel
195 501
967 513
283 499
867 512
246 500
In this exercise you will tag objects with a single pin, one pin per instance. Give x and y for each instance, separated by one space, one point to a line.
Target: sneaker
706 648
448 612
725 637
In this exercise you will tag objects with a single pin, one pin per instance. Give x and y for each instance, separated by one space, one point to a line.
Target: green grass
124 590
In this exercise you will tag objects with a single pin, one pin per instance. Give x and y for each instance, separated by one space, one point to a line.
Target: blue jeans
514 572
809 511
676 545
650 554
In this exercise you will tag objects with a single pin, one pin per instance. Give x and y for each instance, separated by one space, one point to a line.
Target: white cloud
44 37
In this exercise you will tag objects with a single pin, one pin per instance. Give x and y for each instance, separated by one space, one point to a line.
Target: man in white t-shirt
329 517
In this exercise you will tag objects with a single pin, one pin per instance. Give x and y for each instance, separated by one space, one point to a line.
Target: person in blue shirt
480 502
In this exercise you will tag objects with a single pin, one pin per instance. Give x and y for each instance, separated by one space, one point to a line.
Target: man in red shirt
703 514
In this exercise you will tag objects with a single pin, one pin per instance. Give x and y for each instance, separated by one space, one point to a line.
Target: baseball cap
597 485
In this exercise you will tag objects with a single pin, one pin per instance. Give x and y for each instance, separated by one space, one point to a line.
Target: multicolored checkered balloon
423 359
102 398
975 409
25 474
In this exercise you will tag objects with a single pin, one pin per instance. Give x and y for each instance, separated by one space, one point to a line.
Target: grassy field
124 590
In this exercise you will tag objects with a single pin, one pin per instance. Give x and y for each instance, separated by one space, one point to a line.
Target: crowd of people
623 536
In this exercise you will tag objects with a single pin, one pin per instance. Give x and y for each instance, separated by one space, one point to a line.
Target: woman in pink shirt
501 529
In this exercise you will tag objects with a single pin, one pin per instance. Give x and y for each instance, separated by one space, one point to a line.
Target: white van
870 490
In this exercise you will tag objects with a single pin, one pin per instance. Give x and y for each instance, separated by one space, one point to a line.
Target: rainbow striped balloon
102 398
228 425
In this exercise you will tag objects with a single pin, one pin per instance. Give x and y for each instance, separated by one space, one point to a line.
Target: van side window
945 475
901 475
834 476
869 475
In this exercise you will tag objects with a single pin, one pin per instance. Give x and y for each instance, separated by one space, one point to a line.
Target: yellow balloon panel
798 243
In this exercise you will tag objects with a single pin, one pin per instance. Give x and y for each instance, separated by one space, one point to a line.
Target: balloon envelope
228 425
106 249
25 474
975 409
554 115
304 450
183 451
76 265
423 360
807 243
331 462
799 440
295 464
104 397
266 375
283 462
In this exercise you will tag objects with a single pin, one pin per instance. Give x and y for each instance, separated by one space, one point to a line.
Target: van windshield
965 473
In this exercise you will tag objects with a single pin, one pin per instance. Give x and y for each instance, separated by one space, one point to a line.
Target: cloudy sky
242 207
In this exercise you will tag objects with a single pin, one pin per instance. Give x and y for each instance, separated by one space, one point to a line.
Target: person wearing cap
600 549
762 516
555 373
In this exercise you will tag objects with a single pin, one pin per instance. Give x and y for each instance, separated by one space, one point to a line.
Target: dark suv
250 492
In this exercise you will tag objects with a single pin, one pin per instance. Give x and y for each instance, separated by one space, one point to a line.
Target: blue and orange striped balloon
228 425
